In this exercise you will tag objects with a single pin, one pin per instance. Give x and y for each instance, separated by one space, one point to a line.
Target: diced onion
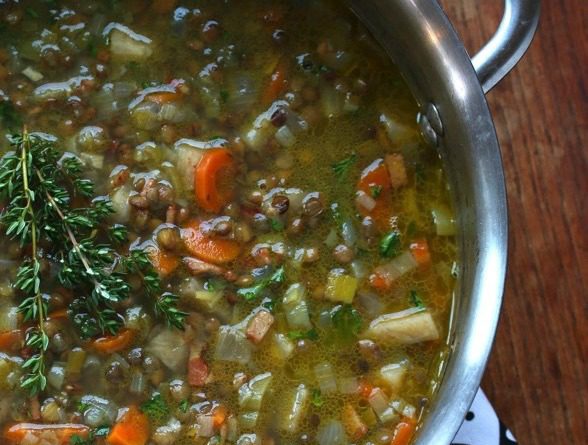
170 347
331 433
399 266
443 220
32 74
248 419
285 137
393 374
137 385
127 44
251 393
325 377
298 402
232 346
206 426
295 307
283 347
349 232
381 405
371 302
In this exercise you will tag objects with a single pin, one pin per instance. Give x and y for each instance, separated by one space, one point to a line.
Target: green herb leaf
156 408
375 190
316 398
390 245
224 95
254 292
311 334
346 320
415 299
276 224
184 405
341 168
101 431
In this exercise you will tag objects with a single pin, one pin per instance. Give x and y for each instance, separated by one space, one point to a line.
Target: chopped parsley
390 245
253 292
276 224
341 168
416 300
311 334
316 398
346 320
155 408
375 190
184 405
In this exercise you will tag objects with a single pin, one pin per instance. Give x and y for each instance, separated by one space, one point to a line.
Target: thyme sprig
40 186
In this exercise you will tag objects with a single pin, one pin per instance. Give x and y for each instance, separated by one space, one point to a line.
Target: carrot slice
163 262
131 429
374 175
219 416
214 179
403 432
420 251
164 97
211 250
276 85
375 182
11 341
114 343
63 431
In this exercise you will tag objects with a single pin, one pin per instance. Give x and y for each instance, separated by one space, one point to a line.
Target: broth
265 157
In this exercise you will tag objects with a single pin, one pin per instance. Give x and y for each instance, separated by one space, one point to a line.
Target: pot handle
509 43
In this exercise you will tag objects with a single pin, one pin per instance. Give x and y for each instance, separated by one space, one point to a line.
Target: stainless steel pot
450 87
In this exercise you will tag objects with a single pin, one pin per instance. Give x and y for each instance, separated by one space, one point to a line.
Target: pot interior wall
421 41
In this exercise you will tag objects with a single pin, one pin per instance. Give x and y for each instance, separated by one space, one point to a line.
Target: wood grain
537 377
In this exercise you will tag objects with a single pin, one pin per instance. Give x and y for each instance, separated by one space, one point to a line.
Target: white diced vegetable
331 433
170 347
395 130
249 439
282 346
325 377
8 318
296 407
120 204
285 137
232 345
394 373
381 406
125 44
248 419
348 385
206 425
295 307
251 393
56 375
364 201
443 220
188 154
396 268
32 74
340 287
413 325
167 434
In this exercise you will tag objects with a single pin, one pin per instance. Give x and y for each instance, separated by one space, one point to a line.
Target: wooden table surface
537 377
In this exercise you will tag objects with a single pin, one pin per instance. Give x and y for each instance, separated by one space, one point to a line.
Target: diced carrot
209 249
403 432
354 427
197 371
277 84
59 314
379 282
63 431
163 6
214 179
11 341
114 343
375 182
163 262
219 416
420 251
374 175
131 429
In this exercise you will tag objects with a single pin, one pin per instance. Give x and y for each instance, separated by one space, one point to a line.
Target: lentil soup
219 225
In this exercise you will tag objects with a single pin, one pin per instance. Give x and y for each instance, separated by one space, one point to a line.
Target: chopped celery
325 377
295 307
282 347
232 345
393 374
297 403
251 393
